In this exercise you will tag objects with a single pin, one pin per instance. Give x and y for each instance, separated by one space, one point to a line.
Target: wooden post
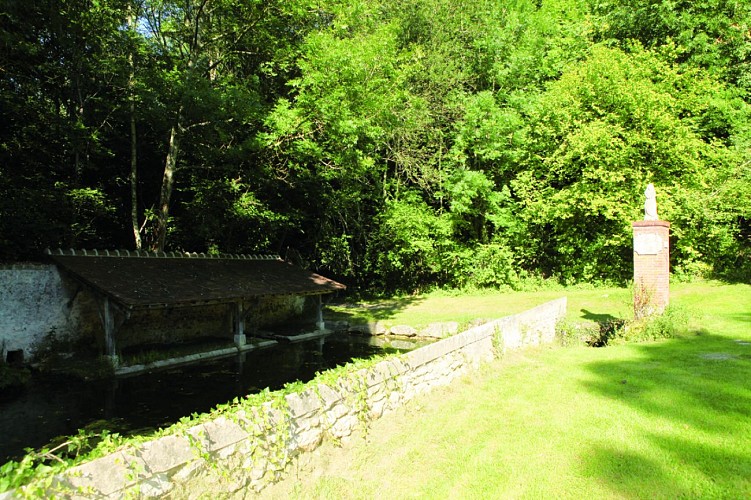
319 314
239 324
108 321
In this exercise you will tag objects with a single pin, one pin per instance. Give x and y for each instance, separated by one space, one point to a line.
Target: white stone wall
250 450
33 303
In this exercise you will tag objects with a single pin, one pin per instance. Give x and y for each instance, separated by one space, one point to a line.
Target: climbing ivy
33 475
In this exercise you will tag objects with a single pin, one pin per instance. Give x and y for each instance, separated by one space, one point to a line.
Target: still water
57 407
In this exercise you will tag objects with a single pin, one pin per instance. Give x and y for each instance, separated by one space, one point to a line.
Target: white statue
650 203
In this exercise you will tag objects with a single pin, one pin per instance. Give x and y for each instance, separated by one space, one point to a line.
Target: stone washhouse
143 298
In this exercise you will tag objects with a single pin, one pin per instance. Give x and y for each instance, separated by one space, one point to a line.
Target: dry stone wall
248 449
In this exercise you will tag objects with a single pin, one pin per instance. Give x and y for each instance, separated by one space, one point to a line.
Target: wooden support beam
319 314
238 317
112 316
110 328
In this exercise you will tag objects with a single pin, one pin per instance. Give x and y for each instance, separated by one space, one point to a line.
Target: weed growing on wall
358 399
499 347
353 387
643 301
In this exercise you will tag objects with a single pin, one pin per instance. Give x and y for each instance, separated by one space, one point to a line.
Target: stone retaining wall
250 448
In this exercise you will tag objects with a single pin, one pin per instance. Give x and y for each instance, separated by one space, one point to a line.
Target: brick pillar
651 266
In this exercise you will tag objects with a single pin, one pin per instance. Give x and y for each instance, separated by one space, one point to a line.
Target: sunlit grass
419 311
583 304
665 419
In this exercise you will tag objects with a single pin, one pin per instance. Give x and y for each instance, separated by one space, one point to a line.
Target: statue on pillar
650 203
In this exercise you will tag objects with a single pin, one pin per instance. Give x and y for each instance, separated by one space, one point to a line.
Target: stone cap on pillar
650 223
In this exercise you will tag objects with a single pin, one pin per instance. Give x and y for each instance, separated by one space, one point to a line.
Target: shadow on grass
597 317
366 312
608 327
638 476
693 398
744 317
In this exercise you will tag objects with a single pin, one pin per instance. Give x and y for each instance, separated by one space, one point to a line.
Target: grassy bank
584 304
670 418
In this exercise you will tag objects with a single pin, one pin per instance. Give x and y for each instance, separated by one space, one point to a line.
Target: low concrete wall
251 448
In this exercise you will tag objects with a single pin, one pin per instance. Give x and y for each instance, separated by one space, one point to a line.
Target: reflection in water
50 408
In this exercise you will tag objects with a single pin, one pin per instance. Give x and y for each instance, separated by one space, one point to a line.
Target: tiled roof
148 279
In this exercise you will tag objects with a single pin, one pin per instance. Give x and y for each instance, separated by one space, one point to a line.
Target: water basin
50 407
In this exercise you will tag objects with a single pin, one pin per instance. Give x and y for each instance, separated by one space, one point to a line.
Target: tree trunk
168 180
133 138
176 131
134 170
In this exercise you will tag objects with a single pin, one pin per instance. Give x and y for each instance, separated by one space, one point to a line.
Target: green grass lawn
418 311
664 419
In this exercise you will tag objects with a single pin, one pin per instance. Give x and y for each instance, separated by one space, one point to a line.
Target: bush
570 333
671 323
404 253
483 266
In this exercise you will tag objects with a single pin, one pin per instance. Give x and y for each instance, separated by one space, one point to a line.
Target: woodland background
392 144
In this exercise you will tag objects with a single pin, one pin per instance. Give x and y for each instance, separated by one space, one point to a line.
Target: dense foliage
391 143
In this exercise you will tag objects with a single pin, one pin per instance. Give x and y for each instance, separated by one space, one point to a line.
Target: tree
712 34
603 131
61 76
206 47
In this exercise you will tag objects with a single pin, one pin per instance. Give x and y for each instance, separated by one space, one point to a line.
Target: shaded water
49 408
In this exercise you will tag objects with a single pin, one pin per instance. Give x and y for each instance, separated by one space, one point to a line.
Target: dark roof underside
151 282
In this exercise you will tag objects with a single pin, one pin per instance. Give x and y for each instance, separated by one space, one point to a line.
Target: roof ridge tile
156 254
